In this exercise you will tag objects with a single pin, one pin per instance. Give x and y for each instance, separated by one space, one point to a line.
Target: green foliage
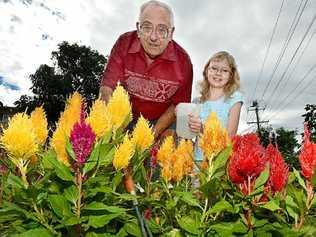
310 119
286 142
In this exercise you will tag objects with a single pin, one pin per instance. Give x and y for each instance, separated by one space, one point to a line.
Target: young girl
219 93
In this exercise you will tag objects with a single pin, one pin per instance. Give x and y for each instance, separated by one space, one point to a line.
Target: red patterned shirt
152 88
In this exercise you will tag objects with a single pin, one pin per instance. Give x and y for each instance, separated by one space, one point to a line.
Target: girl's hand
194 123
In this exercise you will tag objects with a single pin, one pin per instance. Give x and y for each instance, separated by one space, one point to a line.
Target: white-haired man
152 67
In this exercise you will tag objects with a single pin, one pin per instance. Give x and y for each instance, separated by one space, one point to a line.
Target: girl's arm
233 119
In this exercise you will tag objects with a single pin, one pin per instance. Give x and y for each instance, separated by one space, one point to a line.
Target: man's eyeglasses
162 31
215 69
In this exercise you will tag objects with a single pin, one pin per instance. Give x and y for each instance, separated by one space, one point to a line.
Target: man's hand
165 120
105 93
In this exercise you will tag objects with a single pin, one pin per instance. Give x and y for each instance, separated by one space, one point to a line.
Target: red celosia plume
82 139
308 155
246 162
279 170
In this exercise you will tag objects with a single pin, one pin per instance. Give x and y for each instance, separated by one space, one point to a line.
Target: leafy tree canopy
75 68
310 119
286 141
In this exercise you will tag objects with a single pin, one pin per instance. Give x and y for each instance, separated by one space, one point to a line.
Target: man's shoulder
180 51
127 37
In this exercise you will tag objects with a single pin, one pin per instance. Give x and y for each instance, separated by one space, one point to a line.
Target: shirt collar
168 54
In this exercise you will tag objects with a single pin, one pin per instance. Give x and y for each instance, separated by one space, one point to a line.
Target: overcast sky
30 31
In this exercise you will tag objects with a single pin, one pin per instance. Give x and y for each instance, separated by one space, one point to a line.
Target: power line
268 49
282 77
300 92
293 69
286 43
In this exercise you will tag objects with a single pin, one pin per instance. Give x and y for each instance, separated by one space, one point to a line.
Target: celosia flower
99 118
246 162
119 108
68 118
71 114
166 150
142 136
58 143
182 160
19 139
82 139
166 171
39 121
123 154
153 157
279 170
214 138
147 214
307 157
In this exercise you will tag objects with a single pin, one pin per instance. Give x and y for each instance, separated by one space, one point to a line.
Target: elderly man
154 69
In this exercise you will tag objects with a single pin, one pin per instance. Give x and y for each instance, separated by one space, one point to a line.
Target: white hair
160 4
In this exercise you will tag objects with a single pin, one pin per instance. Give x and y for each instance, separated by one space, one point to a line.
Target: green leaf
60 205
271 205
263 178
35 232
100 206
117 179
209 188
107 136
132 228
314 180
188 224
69 150
73 220
220 206
71 194
101 221
291 207
299 178
61 170
106 154
221 159
93 159
189 199
15 181
173 233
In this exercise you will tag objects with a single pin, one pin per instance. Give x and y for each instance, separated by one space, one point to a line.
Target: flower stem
79 186
203 218
42 219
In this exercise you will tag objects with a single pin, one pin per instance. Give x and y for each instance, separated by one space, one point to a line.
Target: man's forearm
165 120
105 93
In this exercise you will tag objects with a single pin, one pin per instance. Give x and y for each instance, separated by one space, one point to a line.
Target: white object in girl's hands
182 112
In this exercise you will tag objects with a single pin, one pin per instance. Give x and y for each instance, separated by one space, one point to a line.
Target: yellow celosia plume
165 150
182 160
214 138
123 154
142 136
19 139
65 124
58 143
39 121
71 113
99 118
119 108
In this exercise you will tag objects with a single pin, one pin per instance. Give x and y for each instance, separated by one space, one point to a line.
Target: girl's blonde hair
232 85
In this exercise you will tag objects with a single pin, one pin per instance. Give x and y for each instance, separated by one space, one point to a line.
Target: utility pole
255 107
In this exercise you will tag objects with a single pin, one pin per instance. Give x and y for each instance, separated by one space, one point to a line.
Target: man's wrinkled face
154 30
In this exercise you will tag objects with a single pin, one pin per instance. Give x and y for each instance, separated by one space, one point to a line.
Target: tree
75 68
286 142
310 119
